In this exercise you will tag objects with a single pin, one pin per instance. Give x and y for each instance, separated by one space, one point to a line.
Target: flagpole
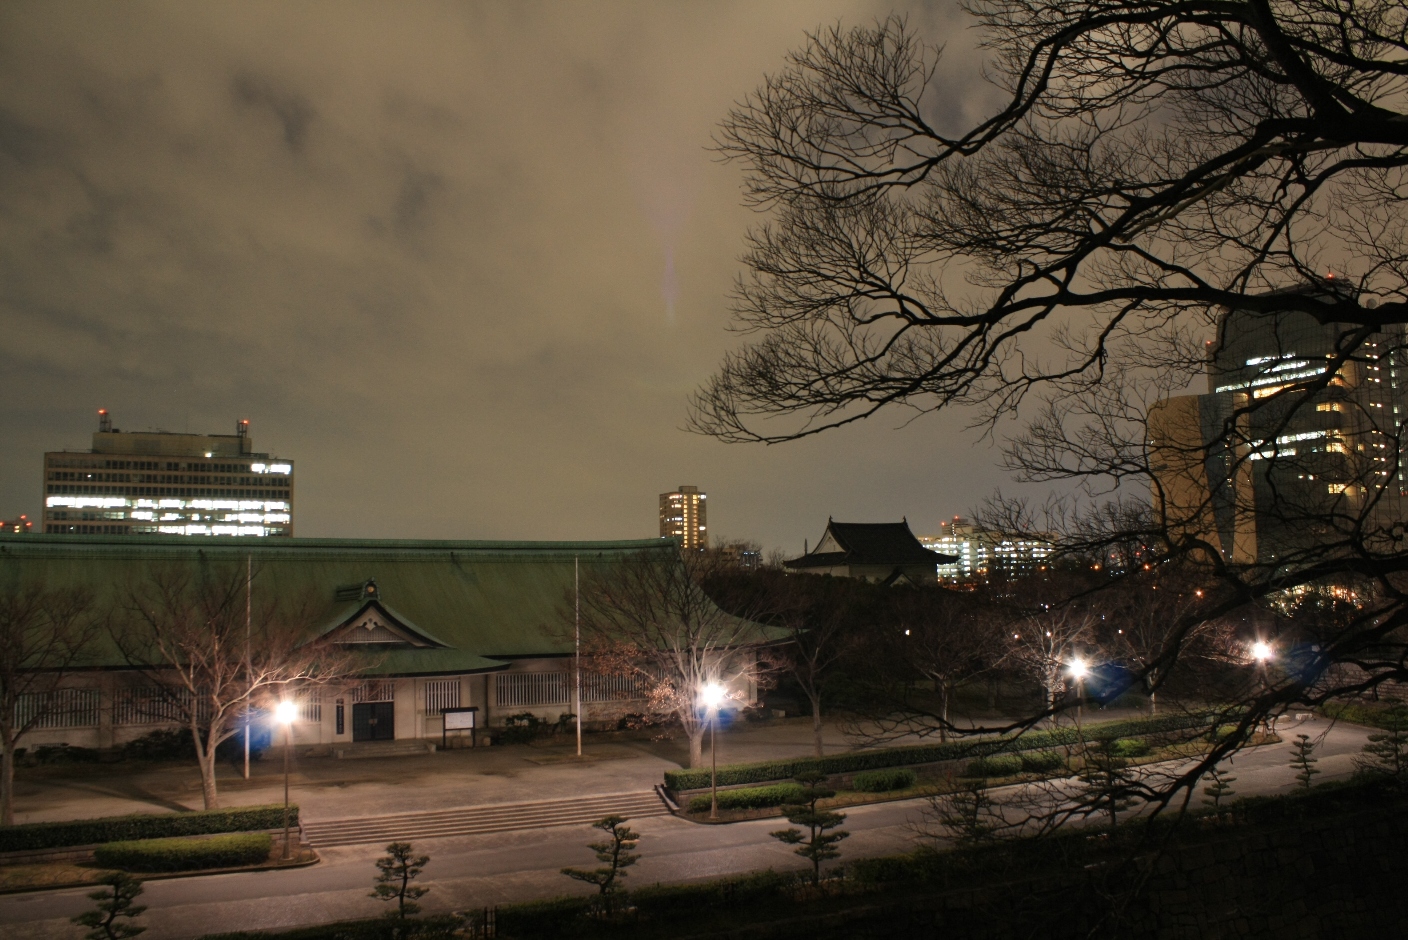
248 578
577 625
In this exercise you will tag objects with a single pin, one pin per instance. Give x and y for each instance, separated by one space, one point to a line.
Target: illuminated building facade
684 515
158 483
980 553
1282 454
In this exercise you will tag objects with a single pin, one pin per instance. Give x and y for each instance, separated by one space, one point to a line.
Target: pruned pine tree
1107 786
1386 754
1219 788
395 872
615 856
818 843
112 919
1301 760
968 815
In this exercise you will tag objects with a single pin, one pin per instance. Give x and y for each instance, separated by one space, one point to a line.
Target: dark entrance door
374 721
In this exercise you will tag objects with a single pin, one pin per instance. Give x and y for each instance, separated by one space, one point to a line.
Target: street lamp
1263 653
1078 671
284 713
712 695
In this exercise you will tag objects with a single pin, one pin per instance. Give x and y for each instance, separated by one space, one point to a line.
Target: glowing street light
1078 671
284 713
1261 651
712 696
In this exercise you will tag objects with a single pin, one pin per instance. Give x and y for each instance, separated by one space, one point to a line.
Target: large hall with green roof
448 626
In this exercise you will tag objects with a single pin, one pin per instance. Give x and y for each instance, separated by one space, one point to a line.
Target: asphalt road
466 872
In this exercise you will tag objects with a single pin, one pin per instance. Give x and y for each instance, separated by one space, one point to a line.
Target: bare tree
44 634
647 617
1139 619
1159 177
818 621
947 637
186 630
1043 646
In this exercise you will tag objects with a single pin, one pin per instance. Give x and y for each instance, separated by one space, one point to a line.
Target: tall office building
684 515
158 483
1260 471
980 553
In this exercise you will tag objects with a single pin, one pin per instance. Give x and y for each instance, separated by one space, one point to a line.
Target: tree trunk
816 724
1153 704
205 756
696 745
7 784
943 708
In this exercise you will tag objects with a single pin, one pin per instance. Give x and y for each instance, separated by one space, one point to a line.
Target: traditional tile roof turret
875 551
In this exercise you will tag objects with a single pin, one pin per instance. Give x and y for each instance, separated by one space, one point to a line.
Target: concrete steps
407 748
477 820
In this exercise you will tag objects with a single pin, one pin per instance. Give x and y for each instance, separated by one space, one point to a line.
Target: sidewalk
327 788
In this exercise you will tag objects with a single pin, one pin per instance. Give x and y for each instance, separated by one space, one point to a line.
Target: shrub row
1385 715
883 781
35 836
1130 747
1007 765
185 854
750 797
766 771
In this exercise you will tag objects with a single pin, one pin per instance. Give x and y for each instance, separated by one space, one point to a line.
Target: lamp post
1078 672
1262 653
284 713
712 695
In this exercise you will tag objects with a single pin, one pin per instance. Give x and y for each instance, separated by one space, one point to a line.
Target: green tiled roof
488 601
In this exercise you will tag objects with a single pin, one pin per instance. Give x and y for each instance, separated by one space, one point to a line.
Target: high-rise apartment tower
158 483
684 515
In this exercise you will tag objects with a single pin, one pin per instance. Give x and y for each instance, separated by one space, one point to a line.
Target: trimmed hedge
1130 747
1376 715
1041 762
767 771
56 835
883 781
750 797
438 927
185 854
999 765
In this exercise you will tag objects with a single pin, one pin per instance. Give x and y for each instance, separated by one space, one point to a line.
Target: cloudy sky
462 262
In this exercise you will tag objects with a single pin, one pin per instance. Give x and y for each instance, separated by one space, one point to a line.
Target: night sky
464 263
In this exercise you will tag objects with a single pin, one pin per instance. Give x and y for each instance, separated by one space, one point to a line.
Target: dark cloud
463 262
290 109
